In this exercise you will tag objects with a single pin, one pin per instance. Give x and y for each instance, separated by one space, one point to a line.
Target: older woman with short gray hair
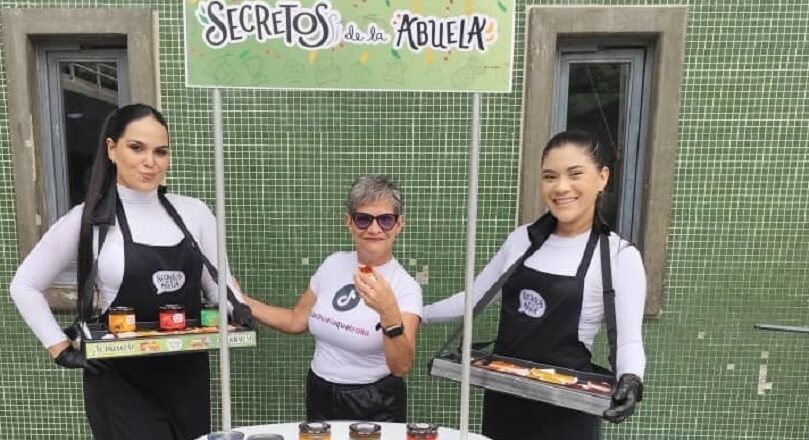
363 309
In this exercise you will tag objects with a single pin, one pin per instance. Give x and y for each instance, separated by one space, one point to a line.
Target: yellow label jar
314 431
121 319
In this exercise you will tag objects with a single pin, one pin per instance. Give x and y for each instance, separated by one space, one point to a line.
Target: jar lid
364 428
265 437
422 428
171 307
226 435
314 428
122 309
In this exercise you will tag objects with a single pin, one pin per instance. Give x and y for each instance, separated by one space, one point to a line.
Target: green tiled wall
737 242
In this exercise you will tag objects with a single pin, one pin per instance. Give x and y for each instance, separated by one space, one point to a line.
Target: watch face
394 331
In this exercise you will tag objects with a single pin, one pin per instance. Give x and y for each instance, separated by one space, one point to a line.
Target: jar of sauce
121 319
314 431
172 317
364 431
209 316
422 431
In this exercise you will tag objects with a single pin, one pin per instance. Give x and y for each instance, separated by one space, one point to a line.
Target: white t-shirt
150 224
348 347
561 256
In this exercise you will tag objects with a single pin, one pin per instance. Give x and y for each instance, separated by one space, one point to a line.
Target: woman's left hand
378 295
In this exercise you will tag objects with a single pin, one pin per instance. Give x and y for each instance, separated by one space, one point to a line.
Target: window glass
83 87
89 94
601 91
596 103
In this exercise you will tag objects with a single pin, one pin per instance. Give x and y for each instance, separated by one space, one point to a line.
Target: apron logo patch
168 280
531 303
346 298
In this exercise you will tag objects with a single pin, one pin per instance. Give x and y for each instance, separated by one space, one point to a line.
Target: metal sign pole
471 227
221 253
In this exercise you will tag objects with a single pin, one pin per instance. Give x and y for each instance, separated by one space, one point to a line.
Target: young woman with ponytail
126 231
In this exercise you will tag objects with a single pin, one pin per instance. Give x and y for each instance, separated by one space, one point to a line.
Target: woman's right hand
57 348
68 357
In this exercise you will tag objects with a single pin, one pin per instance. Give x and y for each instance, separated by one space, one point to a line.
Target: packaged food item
366 269
172 317
121 319
551 376
422 431
314 431
209 316
364 431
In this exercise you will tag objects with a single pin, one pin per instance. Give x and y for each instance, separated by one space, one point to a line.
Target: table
339 431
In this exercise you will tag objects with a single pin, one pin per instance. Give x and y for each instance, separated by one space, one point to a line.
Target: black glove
72 358
242 315
627 393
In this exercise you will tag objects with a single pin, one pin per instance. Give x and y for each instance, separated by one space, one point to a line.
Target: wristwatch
392 331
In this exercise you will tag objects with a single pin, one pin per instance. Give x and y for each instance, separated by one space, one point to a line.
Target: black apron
154 397
539 322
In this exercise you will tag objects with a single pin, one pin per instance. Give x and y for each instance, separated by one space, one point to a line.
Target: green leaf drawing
501 6
395 54
202 17
387 3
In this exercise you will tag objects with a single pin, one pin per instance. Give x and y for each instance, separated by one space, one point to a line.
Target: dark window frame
22 30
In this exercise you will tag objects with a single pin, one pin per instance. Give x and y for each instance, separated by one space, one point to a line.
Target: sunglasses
363 221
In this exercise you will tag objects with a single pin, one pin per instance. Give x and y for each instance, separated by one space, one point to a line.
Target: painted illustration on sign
430 45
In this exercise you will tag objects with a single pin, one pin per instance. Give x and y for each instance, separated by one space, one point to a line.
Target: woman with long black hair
552 304
127 230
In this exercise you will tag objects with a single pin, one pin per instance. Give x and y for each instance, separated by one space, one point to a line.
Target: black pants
382 401
159 398
507 417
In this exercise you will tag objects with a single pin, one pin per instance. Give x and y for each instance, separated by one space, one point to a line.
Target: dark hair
582 139
102 181
370 188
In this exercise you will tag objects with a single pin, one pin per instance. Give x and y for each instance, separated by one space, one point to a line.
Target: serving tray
98 343
590 393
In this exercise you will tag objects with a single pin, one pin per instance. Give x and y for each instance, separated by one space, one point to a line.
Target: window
604 90
57 95
614 70
80 86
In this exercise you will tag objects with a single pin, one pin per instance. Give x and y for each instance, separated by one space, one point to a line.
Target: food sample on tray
548 375
551 376
505 367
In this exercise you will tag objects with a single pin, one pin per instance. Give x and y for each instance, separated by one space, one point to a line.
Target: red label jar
422 431
172 317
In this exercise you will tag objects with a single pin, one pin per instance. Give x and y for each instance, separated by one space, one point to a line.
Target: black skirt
382 401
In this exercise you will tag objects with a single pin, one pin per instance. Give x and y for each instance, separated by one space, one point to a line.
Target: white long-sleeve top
150 224
561 256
